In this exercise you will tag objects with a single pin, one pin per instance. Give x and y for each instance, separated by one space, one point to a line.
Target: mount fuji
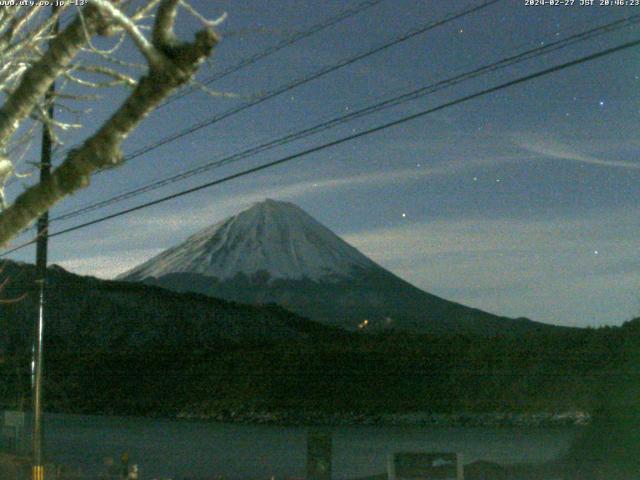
274 252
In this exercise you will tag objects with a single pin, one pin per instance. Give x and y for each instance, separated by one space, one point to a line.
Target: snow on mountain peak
273 236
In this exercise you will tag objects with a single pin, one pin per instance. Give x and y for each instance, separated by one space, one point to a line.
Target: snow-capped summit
275 237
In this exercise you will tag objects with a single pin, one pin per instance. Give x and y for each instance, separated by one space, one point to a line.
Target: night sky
522 202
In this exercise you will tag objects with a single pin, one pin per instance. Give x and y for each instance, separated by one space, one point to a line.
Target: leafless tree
33 56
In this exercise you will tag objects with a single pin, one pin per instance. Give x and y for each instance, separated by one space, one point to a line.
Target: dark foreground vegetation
331 372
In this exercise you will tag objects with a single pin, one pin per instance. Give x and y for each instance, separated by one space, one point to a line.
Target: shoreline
491 420
249 416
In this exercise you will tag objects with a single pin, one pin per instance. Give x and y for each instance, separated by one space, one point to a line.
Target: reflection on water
181 449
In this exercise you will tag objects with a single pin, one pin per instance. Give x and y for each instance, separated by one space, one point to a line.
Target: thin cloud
552 149
107 266
201 216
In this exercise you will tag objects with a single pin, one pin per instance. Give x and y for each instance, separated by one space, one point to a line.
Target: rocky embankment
541 419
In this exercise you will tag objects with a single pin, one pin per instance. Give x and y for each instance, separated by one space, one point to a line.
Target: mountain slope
274 252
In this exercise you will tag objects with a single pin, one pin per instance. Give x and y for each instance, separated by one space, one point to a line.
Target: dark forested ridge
339 373
128 348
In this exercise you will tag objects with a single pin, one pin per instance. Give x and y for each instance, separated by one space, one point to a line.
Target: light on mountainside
363 324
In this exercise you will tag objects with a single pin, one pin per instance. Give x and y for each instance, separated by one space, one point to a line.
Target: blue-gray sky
522 203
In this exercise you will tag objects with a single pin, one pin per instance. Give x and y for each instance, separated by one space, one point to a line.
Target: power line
296 37
348 138
347 13
394 101
296 83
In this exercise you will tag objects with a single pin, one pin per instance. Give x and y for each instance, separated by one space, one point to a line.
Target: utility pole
41 280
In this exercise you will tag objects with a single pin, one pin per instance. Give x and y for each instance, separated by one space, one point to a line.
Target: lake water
184 448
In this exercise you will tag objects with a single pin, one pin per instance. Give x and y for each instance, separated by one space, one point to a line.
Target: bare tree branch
39 77
147 49
178 62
